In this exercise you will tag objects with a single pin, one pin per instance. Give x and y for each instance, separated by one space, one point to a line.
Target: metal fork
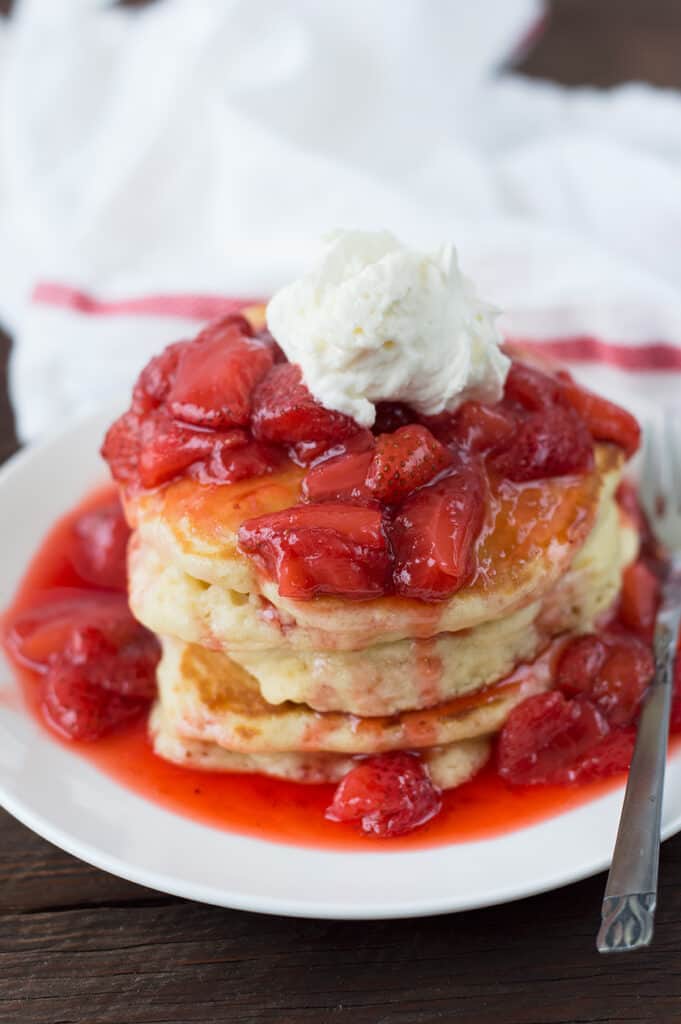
628 910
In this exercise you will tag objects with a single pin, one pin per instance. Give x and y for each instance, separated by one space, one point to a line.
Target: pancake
250 681
207 697
385 678
534 533
411 674
449 766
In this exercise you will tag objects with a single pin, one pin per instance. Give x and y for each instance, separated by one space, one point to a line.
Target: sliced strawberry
226 327
100 546
475 426
122 661
621 683
121 448
580 660
605 420
156 379
87 627
216 376
442 426
81 710
231 461
320 562
284 411
550 443
609 756
482 428
530 388
169 447
545 737
434 534
389 794
404 461
613 673
45 628
306 453
359 525
313 453
639 599
320 549
342 478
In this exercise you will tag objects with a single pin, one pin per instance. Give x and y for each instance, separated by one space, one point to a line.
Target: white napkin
156 165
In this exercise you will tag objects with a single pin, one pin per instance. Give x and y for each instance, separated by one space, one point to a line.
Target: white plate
69 802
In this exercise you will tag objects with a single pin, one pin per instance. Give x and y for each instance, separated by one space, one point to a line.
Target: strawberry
100 543
156 379
98 663
621 683
342 478
314 453
320 549
531 388
284 411
388 794
230 460
578 664
609 756
434 534
552 442
545 738
168 447
613 672
44 628
481 428
215 378
404 461
605 420
227 327
80 709
123 662
121 448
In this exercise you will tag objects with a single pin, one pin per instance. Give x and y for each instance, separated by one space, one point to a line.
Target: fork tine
672 444
652 470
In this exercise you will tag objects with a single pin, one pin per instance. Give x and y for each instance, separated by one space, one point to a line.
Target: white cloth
154 162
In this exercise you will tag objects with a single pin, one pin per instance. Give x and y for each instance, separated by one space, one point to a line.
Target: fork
628 910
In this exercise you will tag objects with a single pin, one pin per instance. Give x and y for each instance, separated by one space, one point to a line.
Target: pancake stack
252 681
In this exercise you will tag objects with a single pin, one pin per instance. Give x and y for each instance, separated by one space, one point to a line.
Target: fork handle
628 909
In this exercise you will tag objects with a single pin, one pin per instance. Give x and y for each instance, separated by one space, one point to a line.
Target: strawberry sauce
255 805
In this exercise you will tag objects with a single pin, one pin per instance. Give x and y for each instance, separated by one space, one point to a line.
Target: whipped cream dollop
374 321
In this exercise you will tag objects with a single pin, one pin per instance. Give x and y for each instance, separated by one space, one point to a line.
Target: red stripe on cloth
580 349
186 307
584 349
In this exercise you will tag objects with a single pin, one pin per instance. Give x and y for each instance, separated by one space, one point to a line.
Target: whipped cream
374 321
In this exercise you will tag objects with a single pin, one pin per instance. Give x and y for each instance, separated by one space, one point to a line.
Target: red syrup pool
255 805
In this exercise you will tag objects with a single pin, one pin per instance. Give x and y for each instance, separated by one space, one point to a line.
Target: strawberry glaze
255 805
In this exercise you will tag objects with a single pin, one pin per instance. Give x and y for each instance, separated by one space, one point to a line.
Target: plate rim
96 853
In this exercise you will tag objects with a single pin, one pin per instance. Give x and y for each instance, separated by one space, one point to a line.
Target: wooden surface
78 946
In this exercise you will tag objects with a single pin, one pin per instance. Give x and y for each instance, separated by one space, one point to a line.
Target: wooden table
78 946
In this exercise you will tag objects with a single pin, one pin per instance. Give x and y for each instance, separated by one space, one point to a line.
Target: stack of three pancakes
252 681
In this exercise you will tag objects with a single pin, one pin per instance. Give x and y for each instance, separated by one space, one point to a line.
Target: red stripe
186 307
581 349
585 349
